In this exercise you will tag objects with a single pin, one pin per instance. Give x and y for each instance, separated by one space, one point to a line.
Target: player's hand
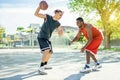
60 31
83 49
70 42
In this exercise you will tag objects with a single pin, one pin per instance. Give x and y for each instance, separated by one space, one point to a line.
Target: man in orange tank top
94 39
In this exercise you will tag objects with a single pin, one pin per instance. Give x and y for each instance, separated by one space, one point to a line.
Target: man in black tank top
50 24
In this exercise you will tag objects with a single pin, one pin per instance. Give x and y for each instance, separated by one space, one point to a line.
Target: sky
15 13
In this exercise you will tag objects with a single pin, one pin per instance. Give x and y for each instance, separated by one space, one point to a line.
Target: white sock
97 63
88 64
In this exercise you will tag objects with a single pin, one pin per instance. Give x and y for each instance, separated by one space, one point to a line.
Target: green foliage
108 10
82 39
20 29
110 49
29 30
115 35
2 31
105 9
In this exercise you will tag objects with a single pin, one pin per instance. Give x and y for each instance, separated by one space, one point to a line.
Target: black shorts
44 44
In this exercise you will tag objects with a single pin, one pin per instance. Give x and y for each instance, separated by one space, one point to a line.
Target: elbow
60 33
35 14
90 40
77 38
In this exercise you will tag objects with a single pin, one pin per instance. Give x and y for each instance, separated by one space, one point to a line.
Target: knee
47 51
87 52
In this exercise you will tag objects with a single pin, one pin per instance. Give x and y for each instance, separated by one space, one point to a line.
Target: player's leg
97 64
45 48
48 56
45 57
88 57
93 57
87 65
93 50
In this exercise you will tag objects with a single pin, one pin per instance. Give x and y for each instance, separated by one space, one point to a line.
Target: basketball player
50 24
94 38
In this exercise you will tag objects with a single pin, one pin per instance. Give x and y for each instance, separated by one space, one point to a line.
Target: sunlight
112 17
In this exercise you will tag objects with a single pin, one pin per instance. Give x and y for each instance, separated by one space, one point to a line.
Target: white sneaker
97 66
41 71
86 69
47 67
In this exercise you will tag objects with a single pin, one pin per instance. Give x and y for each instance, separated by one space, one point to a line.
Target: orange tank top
95 32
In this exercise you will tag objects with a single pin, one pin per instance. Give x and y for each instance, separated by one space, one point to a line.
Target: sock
88 64
97 63
42 64
45 63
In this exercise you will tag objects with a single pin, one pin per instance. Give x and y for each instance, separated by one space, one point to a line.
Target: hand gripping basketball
43 5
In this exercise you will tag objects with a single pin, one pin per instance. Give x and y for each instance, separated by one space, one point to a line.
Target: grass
111 49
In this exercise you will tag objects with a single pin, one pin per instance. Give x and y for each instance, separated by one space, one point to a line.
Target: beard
80 26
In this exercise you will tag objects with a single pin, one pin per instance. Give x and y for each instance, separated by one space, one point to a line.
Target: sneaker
47 67
97 66
41 71
86 69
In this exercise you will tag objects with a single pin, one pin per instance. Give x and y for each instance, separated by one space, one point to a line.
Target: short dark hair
80 19
58 10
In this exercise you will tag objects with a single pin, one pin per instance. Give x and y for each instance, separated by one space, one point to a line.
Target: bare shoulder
79 31
88 26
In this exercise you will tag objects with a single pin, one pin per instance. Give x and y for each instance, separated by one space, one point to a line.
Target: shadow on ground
75 76
21 77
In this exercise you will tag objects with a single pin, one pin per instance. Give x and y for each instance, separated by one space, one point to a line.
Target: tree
108 10
2 32
30 31
20 30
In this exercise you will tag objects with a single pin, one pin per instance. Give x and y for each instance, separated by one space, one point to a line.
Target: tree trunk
107 40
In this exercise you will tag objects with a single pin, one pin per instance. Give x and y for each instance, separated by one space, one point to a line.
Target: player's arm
89 31
60 31
77 37
38 14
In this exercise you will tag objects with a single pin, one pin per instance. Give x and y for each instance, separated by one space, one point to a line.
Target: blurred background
19 49
19 27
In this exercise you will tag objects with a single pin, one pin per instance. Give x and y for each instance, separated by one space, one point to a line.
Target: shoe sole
95 69
42 73
88 71
48 68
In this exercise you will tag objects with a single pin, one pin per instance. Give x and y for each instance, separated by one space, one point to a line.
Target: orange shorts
94 45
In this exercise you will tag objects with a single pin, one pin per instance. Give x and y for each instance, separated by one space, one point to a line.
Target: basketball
43 5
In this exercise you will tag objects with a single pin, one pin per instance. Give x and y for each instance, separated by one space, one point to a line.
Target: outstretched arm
40 15
76 37
60 31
